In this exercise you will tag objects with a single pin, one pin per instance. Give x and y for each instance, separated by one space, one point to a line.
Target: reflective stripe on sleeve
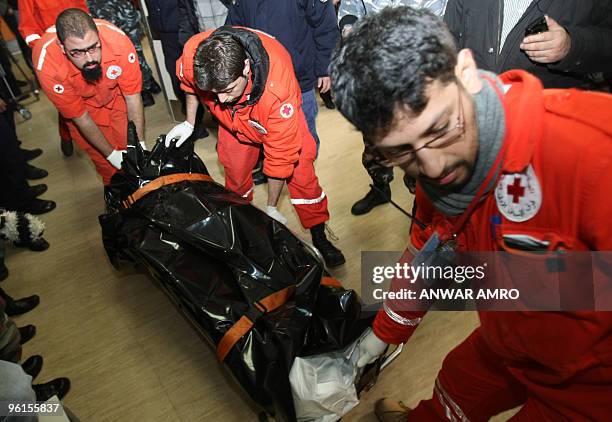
43 53
32 37
400 319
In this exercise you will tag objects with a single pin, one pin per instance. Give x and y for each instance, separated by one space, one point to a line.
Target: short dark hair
74 23
218 61
388 60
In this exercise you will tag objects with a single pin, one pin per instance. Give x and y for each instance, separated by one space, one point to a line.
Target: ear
61 45
466 71
247 67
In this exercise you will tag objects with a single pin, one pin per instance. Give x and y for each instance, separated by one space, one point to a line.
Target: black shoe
327 100
58 387
147 99
22 84
34 173
4 272
20 306
372 199
67 147
333 256
27 332
38 190
38 206
154 88
30 154
259 177
33 365
36 246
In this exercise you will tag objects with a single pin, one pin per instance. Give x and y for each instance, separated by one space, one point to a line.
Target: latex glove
181 132
143 145
370 348
275 214
116 158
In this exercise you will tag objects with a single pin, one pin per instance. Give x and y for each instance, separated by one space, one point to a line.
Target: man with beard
35 16
89 70
501 165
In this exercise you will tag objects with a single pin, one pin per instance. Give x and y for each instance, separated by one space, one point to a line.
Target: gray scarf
491 123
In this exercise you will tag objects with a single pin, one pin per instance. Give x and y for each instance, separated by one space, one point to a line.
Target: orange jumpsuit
104 100
558 365
275 120
35 16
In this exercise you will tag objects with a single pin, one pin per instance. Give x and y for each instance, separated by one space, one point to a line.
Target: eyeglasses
79 53
405 154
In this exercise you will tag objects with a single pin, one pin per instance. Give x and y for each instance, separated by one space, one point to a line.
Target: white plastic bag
323 386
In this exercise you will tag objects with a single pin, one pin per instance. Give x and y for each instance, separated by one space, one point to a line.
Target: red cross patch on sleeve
286 110
58 89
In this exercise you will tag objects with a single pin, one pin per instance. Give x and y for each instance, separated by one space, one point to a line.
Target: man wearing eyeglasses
35 16
90 72
501 165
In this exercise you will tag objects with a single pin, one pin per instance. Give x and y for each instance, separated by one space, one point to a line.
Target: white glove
370 348
275 214
181 132
116 158
143 145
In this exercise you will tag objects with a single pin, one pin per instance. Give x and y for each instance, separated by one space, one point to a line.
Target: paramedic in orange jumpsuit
497 159
256 98
35 16
89 70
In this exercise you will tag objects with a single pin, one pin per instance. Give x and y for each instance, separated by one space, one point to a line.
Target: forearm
92 134
275 187
135 112
191 106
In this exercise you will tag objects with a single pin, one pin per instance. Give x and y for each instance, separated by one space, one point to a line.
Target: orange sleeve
283 142
130 81
63 96
29 26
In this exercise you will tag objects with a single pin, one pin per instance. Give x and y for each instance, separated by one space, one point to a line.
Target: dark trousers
172 51
14 189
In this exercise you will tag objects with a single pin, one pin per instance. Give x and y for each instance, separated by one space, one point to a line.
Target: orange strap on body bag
165 181
267 304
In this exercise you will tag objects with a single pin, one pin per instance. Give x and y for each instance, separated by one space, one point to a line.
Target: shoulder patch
131 57
58 88
286 110
113 72
518 195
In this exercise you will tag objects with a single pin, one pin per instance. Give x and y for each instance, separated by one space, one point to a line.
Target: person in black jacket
578 41
164 22
309 32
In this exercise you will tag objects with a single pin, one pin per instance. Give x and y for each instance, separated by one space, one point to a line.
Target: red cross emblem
286 110
516 190
113 72
519 195
58 88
